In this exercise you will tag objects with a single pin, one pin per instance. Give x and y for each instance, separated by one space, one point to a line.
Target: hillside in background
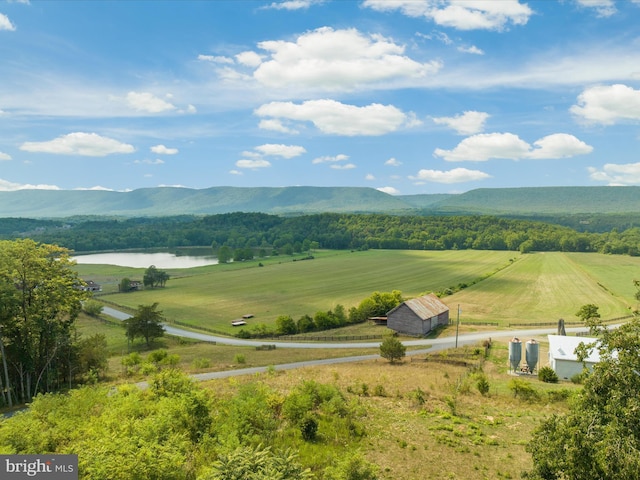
165 201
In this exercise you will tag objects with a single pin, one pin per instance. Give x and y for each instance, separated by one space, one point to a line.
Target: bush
483 385
309 427
547 375
239 358
523 389
392 349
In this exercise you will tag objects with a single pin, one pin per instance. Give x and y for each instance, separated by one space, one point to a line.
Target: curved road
432 345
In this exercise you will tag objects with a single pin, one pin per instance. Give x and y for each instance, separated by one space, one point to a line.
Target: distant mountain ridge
165 201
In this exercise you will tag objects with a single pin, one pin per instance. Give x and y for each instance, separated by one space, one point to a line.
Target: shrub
239 358
547 375
523 389
483 385
199 363
309 427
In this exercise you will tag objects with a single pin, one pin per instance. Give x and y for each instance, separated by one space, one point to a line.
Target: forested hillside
163 201
276 234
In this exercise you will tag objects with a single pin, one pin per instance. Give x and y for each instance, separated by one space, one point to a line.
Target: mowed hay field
216 296
515 288
544 287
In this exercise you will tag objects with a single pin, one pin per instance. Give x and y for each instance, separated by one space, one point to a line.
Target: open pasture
216 296
544 287
534 288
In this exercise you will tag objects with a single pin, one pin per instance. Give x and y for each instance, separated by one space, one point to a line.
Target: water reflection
144 260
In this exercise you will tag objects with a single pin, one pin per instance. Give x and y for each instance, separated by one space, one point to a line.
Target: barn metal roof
427 306
562 347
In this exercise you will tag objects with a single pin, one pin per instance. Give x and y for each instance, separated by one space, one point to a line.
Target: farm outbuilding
562 356
418 316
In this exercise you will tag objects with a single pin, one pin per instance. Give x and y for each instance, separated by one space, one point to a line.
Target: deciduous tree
392 349
146 323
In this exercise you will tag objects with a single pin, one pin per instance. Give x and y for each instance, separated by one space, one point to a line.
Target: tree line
40 299
250 232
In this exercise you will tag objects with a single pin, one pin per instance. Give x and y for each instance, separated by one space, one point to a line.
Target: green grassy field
545 287
216 296
534 288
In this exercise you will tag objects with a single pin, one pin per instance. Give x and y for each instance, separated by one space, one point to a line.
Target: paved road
434 343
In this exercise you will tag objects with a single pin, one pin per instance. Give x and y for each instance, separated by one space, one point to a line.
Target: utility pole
457 325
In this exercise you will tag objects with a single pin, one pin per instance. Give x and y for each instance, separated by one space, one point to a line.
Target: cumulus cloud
148 102
279 150
252 163
79 143
471 49
7 186
4 156
389 190
216 59
469 123
346 166
482 147
617 174
294 4
460 14
337 60
370 177
162 150
333 117
5 23
457 175
276 125
392 162
603 8
249 59
607 104
330 159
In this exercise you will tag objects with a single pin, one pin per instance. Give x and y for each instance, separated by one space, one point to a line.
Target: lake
144 260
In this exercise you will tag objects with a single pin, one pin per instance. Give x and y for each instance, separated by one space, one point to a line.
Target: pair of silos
532 350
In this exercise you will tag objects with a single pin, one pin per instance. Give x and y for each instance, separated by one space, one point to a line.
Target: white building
562 356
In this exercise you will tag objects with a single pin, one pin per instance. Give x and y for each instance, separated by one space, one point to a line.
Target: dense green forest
327 230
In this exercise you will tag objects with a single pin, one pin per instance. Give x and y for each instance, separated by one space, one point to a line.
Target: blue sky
406 96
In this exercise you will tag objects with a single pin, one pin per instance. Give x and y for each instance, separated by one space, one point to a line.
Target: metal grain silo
515 353
532 349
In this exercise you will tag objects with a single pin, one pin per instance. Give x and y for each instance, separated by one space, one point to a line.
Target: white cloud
389 190
279 150
157 161
235 172
294 4
346 166
559 145
370 177
617 174
472 50
191 109
607 104
482 147
337 60
96 188
5 23
460 14
148 102
330 159
249 59
79 143
392 162
603 8
6 186
4 156
216 59
457 175
247 163
469 123
276 126
162 150
338 118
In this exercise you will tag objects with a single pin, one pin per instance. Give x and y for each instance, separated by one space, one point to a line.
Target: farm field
216 296
544 287
523 289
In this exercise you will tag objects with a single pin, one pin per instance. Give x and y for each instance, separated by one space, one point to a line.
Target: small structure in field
238 323
418 316
91 286
563 359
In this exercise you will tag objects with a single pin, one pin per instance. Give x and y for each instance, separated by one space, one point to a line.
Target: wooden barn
418 316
